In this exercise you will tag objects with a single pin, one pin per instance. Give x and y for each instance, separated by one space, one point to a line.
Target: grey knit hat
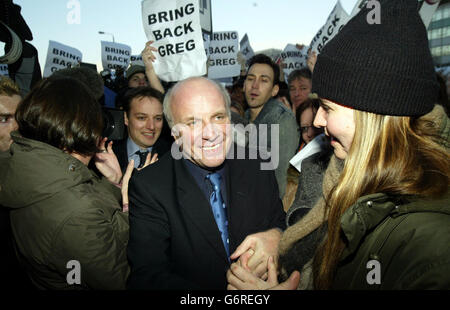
133 69
382 68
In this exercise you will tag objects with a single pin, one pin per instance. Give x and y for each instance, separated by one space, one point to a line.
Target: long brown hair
389 154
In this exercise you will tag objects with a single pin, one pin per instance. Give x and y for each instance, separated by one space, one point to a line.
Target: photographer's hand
107 163
127 175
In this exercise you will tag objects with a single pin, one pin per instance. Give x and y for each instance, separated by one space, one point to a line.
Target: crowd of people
180 203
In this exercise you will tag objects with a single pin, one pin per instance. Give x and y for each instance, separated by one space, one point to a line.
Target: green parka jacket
396 246
63 214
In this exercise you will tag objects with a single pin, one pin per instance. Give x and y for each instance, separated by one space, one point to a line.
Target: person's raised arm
148 58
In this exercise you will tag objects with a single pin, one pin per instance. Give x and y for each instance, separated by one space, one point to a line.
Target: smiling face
339 124
200 114
144 121
258 85
8 106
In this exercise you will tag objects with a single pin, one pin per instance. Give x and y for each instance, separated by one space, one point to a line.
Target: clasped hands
256 267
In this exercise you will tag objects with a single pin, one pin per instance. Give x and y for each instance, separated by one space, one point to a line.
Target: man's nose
150 124
255 83
210 132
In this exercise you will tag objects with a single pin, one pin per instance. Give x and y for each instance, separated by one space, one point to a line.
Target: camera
113 123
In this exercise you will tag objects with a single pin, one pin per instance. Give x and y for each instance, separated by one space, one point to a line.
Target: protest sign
174 26
115 55
137 60
4 70
60 56
206 42
222 54
336 21
293 58
246 49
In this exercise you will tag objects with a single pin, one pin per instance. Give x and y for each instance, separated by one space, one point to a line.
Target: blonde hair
389 154
8 87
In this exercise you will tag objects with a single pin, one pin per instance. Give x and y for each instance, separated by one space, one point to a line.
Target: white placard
4 70
222 54
174 26
294 58
246 49
60 56
206 42
315 146
336 21
115 55
137 60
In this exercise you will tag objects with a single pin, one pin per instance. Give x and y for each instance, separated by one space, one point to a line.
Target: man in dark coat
179 238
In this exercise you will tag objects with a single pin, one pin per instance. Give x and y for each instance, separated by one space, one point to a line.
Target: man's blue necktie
218 208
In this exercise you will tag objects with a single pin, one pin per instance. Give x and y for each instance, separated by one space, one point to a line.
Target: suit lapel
196 208
156 148
161 146
120 149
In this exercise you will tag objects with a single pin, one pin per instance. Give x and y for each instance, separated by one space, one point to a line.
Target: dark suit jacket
174 240
161 146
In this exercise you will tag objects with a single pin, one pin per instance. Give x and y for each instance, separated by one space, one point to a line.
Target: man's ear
275 90
175 137
125 118
175 132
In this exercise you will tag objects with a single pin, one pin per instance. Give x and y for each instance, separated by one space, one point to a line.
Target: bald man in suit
192 209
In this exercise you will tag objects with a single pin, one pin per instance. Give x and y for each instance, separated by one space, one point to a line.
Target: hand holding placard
174 27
